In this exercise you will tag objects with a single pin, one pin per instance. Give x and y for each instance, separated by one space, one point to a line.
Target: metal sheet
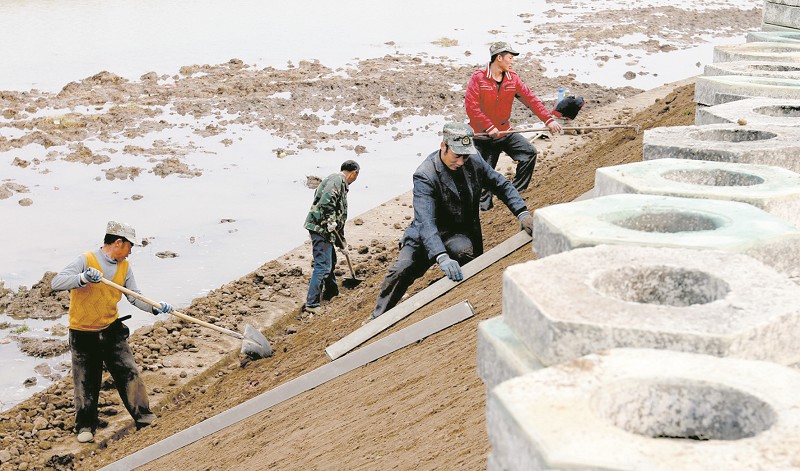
406 308
301 384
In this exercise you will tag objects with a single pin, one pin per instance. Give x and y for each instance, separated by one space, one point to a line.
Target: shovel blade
351 283
254 344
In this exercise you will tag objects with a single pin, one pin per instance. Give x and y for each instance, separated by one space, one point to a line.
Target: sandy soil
421 407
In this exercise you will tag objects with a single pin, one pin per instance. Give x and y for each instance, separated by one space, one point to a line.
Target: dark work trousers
109 347
519 149
322 276
412 262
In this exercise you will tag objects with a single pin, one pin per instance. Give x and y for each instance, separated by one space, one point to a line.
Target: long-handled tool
569 128
254 344
352 282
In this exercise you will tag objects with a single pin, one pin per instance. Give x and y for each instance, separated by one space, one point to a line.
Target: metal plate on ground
404 309
301 384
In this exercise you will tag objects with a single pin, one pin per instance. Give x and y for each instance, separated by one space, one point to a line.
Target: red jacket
488 107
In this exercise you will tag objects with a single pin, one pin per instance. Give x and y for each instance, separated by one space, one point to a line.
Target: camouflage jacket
330 204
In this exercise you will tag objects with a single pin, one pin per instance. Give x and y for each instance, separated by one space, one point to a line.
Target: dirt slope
421 407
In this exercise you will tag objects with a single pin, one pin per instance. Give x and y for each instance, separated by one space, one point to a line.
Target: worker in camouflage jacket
325 224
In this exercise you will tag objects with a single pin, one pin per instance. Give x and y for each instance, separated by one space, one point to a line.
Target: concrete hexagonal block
758 51
782 13
759 112
778 146
718 89
666 221
648 410
701 301
774 36
780 70
773 189
501 356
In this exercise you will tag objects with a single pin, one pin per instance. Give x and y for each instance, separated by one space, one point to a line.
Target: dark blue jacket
438 210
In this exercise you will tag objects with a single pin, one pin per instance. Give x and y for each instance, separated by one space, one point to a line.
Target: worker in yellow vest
97 336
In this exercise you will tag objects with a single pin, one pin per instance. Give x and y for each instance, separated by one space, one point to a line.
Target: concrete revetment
647 410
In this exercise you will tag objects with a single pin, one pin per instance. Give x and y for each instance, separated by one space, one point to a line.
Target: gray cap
459 136
501 46
123 230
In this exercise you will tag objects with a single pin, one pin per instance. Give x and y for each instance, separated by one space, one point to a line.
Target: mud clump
38 302
7 189
173 165
81 153
42 348
122 173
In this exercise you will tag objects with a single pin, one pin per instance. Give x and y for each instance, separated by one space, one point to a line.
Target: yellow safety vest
94 307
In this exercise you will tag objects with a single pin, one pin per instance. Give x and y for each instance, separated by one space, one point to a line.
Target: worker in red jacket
490 93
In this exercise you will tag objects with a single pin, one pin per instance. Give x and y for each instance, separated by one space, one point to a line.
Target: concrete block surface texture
501 356
780 70
715 303
758 51
752 111
648 410
770 28
774 36
667 221
718 89
773 189
782 13
749 144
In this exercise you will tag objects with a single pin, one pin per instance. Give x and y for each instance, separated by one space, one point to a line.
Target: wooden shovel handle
175 313
346 253
566 128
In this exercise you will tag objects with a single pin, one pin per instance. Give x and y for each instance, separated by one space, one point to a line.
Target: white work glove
331 226
450 267
165 308
91 275
526 222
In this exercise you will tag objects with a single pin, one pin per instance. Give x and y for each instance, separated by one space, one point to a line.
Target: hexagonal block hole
779 111
688 410
662 285
774 67
732 135
714 177
663 221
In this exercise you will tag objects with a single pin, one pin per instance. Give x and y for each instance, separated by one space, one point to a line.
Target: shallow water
50 43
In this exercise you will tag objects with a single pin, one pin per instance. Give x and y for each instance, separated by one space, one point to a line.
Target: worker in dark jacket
446 228
325 224
490 94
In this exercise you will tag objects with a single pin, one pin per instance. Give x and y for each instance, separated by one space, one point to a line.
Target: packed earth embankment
420 407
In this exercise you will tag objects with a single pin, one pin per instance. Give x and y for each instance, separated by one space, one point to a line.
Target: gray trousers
412 262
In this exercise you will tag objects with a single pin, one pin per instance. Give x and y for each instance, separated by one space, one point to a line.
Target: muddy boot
330 292
145 420
85 435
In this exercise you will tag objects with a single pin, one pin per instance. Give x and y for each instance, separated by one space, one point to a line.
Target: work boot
85 436
145 420
312 309
330 292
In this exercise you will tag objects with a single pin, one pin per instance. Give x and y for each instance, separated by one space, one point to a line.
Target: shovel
352 282
636 127
254 344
